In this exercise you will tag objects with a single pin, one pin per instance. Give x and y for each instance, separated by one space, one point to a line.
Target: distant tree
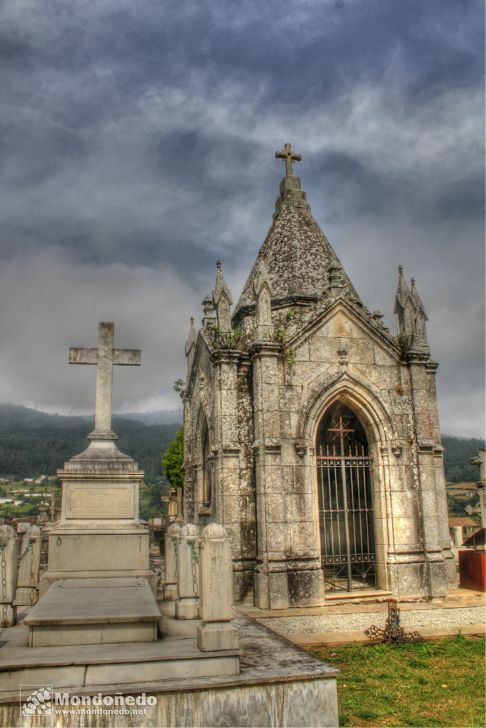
173 460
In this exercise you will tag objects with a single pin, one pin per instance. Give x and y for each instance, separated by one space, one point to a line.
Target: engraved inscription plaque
101 502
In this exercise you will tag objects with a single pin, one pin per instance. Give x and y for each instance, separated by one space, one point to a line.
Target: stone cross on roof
289 157
105 356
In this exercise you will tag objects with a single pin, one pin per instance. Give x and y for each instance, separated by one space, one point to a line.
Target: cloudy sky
137 143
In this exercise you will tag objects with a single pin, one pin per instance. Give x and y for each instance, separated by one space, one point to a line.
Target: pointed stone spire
416 298
403 291
411 313
263 293
222 300
404 306
420 340
296 252
191 345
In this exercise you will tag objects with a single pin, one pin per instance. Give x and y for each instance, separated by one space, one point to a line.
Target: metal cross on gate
105 356
340 429
289 157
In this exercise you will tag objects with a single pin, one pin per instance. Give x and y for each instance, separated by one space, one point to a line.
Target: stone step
123 664
357 596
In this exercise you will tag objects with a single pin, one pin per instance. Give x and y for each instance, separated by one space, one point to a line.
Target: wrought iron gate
345 502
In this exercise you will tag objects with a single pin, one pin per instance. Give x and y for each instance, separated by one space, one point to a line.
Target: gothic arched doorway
345 501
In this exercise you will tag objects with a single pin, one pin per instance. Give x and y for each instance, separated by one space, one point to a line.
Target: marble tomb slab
94 611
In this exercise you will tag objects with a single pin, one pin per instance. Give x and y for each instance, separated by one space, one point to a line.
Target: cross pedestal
99 535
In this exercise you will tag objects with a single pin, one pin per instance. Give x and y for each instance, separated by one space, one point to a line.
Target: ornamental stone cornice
419 357
225 356
265 348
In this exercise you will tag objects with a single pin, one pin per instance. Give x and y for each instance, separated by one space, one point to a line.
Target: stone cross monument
105 357
99 533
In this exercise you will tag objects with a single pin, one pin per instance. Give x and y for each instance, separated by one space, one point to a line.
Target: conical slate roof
296 252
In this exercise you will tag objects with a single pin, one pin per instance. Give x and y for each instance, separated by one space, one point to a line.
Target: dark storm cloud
136 148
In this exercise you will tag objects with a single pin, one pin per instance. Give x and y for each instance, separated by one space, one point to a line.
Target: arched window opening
207 470
345 501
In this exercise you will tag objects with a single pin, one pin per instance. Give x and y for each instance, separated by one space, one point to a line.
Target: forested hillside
456 458
34 443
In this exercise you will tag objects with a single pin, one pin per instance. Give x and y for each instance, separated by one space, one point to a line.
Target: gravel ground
359 622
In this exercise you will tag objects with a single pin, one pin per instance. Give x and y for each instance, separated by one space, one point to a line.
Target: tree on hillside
173 460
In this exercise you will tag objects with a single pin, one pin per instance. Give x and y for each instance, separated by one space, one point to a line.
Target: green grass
424 684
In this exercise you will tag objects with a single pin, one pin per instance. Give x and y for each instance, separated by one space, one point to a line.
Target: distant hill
161 417
34 443
458 450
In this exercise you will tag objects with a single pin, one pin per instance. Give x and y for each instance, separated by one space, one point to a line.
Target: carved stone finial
261 277
263 312
222 300
416 298
190 347
191 337
411 314
208 308
402 291
289 157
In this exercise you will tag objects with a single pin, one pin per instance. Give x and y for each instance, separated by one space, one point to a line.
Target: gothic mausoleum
312 432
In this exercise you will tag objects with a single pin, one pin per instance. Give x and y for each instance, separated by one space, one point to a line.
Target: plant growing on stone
293 314
290 358
280 335
227 339
404 342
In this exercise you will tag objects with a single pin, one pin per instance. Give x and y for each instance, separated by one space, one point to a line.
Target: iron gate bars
346 507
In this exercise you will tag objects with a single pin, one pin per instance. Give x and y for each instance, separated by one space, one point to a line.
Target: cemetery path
462 611
359 621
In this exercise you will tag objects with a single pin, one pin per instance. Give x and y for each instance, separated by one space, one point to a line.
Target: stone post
171 539
29 564
271 579
480 459
216 591
428 456
8 576
187 573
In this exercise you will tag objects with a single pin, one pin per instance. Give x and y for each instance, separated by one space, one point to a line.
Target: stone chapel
312 432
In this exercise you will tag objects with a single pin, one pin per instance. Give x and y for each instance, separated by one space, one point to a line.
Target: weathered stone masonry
301 344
